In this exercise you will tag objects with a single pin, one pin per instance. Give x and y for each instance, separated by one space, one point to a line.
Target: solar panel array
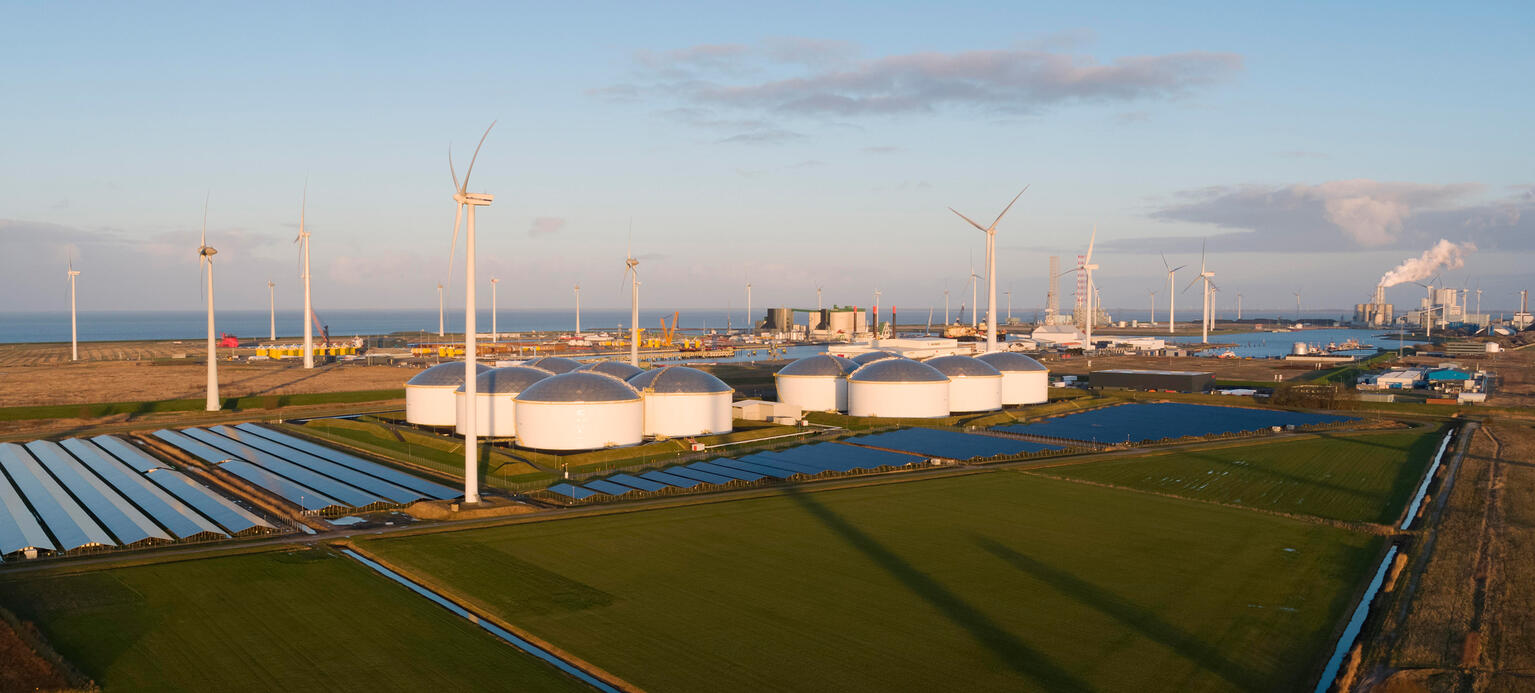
801 462
1138 422
949 444
103 492
311 476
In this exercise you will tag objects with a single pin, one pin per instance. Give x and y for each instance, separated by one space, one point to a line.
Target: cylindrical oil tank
429 395
898 388
495 397
872 356
618 369
815 383
554 364
580 410
1024 380
682 401
974 385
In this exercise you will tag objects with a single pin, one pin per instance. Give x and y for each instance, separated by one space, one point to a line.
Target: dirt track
133 381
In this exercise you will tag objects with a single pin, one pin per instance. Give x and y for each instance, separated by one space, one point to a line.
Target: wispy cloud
763 136
545 226
882 149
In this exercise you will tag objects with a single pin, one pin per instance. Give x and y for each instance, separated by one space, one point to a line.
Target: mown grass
439 454
989 581
309 620
1358 478
90 411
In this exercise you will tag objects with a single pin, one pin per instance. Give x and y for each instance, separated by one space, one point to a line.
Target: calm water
1270 344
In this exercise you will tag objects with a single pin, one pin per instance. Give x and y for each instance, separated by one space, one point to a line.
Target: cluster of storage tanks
880 383
555 403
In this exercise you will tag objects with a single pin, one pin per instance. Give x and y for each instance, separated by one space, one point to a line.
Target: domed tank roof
872 356
508 380
963 366
447 374
617 369
579 386
820 364
554 364
897 370
1009 362
675 380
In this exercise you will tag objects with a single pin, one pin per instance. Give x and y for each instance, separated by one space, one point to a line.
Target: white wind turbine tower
205 255
303 241
271 298
946 305
466 199
578 309
749 319
1172 293
495 336
1239 305
1009 293
631 263
991 269
1088 267
439 305
974 301
1204 276
1153 296
1297 306
74 344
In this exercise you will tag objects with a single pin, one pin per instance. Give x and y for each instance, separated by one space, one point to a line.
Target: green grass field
1360 478
310 620
990 581
89 411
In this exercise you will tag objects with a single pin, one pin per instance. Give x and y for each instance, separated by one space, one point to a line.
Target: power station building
1174 381
1376 313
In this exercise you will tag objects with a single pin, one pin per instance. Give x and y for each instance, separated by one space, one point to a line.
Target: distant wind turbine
271 291
1204 276
205 255
1153 295
303 241
578 310
631 265
495 334
1172 293
74 335
991 269
469 200
439 310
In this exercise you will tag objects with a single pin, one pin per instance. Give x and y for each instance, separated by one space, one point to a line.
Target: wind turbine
974 301
1204 276
991 269
1009 293
1239 306
464 198
630 265
439 306
1088 267
271 291
495 335
1153 296
205 255
749 319
578 310
74 344
1172 293
303 241
1297 306
946 305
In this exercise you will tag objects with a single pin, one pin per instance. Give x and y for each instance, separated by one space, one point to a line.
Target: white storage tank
580 410
898 387
495 393
429 395
1024 380
554 364
618 369
815 383
974 385
682 401
872 356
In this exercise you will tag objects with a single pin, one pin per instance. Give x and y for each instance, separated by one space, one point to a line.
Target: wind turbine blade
467 173
1090 241
1175 269
1165 266
1201 257
972 221
453 250
208 197
1191 284
1009 206
452 169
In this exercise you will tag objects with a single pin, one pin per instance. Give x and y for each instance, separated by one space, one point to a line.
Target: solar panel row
801 462
75 494
1138 422
394 476
949 444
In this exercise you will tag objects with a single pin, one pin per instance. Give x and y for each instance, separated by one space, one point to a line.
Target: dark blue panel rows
949 444
1155 421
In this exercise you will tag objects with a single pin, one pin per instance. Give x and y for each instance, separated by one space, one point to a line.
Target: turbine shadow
1013 652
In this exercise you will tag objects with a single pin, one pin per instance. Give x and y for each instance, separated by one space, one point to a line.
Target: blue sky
1314 146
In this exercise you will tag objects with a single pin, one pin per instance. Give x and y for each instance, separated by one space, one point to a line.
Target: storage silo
496 391
872 356
682 401
617 369
1024 380
898 387
554 364
815 383
580 410
974 385
429 395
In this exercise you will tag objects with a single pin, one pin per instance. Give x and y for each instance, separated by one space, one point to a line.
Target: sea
1275 344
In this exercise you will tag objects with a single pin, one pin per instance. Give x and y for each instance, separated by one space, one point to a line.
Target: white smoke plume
1444 255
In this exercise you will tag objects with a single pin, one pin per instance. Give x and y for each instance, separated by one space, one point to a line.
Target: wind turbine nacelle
477 199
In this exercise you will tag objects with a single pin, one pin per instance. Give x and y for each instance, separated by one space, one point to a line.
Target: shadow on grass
1144 621
1013 652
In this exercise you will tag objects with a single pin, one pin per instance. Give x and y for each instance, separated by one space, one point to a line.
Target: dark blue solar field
791 463
1140 422
949 444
